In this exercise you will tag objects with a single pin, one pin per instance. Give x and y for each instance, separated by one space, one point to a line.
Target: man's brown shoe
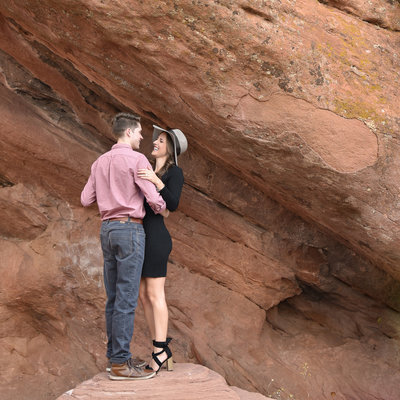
136 362
127 371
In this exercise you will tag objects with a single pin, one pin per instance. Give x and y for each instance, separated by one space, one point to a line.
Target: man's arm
154 199
88 195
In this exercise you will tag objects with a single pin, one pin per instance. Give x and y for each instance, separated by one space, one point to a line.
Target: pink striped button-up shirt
116 187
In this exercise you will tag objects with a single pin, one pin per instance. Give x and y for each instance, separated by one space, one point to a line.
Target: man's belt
127 219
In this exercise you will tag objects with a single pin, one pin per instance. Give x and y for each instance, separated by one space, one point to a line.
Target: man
119 192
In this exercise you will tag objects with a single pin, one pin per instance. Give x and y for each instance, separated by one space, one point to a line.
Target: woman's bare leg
147 307
155 291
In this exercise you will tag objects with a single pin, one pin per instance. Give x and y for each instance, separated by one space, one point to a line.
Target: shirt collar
121 145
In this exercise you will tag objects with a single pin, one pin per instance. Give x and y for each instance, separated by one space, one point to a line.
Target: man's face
136 137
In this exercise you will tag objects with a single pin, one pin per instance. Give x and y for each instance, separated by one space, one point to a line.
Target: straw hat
178 139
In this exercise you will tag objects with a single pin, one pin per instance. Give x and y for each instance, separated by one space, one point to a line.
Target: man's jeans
123 251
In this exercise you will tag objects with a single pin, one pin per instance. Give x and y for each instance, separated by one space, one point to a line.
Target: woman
168 179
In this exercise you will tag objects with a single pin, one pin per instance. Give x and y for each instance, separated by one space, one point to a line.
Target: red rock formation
188 382
284 276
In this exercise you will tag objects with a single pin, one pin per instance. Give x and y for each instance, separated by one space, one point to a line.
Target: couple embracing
133 199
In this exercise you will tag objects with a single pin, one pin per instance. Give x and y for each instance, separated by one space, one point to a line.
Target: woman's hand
151 176
148 174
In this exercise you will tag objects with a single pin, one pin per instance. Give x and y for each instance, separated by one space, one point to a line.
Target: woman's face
160 146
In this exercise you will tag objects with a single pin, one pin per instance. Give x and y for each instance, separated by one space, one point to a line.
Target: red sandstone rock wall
284 276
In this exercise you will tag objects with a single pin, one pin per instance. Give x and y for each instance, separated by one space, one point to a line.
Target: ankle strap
162 345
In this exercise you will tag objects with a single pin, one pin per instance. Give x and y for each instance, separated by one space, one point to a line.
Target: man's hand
165 213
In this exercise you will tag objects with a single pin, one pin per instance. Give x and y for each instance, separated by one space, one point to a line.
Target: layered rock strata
188 382
284 276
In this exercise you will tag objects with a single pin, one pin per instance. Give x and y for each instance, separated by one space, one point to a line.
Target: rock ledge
187 382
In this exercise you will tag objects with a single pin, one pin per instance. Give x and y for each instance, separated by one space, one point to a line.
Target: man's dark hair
123 121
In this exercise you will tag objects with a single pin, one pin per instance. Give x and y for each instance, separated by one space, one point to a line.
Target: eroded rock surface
284 276
186 382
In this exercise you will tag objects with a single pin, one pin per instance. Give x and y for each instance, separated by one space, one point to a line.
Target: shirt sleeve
172 190
88 195
154 199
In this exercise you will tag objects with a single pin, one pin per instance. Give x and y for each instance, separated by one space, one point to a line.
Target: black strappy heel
165 348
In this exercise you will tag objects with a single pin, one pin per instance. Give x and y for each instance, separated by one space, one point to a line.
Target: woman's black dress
158 239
